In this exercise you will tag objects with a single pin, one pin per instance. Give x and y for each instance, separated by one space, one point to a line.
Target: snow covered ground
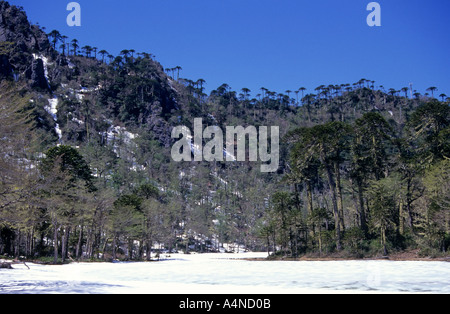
229 274
52 109
116 132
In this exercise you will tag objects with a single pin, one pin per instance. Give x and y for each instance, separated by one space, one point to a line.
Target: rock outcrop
38 74
18 41
15 27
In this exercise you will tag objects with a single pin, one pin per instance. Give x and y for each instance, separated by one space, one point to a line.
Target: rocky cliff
19 40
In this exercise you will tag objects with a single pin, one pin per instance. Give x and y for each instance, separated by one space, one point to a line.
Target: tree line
365 188
357 188
74 48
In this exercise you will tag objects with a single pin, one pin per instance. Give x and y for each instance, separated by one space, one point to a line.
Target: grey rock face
22 40
38 74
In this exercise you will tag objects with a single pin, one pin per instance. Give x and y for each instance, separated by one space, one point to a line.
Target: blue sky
281 45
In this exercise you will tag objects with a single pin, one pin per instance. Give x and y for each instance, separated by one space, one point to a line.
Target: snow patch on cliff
52 109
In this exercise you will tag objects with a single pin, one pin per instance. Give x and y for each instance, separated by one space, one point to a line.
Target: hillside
87 171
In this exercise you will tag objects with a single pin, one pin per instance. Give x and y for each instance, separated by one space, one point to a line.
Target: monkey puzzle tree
405 90
178 68
371 135
304 164
282 210
246 92
125 53
327 143
103 53
302 89
432 89
75 46
56 37
87 50
125 222
64 174
437 197
304 168
150 204
382 195
425 124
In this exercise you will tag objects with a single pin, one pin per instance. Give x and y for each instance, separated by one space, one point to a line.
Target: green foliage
131 200
148 191
426 124
135 87
383 205
355 241
437 197
391 204
352 178
369 146
67 159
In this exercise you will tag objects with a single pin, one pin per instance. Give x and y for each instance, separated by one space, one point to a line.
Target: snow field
229 273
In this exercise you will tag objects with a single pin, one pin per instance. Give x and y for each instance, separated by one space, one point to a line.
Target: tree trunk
130 249
383 239
17 245
104 248
320 240
141 249
274 243
89 243
409 203
55 244
80 241
114 245
339 196
292 242
309 197
148 247
362 211
337 221
96 244
64 244
29 242
401 223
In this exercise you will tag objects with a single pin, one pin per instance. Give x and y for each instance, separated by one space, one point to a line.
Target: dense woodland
364 170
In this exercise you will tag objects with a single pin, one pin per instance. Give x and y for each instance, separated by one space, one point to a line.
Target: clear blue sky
280 45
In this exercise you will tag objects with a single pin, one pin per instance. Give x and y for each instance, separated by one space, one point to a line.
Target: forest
86 171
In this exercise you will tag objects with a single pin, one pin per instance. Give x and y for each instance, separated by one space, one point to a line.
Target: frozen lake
228 274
